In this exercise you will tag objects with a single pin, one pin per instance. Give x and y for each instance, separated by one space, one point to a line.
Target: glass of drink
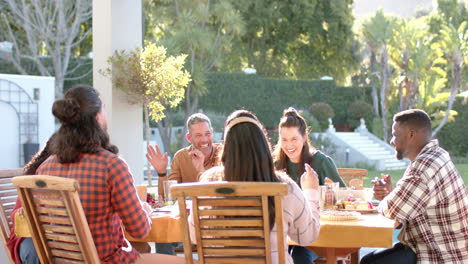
168 199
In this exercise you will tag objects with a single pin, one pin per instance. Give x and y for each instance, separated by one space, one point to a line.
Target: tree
378 32
453 11
151 78
201 29
413 51
45 28
296 39
454 45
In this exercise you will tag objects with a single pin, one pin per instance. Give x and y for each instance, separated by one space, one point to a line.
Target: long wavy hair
246 155
80 131
31 167
292 118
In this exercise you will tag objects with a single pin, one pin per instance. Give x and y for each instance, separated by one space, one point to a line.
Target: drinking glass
168 199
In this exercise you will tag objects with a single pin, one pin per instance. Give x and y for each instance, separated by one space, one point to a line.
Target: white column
117 25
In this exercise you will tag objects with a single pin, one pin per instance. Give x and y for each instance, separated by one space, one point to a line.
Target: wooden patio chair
347 174
56 219
8 196
231 220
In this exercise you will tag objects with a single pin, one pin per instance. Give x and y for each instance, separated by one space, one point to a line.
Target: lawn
397 174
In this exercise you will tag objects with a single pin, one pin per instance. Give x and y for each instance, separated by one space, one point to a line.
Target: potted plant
151 78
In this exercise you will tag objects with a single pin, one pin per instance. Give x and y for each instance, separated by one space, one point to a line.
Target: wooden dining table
335 238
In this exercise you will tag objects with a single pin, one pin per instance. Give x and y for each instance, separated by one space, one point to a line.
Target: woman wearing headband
246 156
292 154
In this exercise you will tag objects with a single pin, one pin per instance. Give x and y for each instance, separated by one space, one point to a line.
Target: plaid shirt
109 198
431 201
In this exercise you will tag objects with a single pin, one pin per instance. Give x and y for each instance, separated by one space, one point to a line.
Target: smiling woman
292 152
294 149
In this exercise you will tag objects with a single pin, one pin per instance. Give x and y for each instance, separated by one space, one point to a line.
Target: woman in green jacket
294 150
291 153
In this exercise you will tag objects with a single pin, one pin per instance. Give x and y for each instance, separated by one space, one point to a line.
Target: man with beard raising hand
189 162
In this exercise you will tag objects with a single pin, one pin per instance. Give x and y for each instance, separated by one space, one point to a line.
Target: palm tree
378 32
454 45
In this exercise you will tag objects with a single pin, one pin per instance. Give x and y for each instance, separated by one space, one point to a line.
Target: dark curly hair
80 131
38 158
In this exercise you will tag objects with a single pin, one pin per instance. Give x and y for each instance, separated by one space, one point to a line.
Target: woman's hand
309 179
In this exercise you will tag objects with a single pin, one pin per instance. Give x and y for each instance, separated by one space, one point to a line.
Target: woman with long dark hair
294 149
246 156
292 152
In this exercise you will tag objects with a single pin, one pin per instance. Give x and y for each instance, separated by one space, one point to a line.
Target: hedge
267 97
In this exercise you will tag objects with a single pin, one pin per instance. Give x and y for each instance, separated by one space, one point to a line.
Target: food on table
151 200
339 215
353 204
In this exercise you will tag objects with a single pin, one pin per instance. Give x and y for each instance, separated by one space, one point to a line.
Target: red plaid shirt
109 198
431 201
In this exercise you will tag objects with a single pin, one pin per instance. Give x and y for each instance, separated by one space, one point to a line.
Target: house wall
9 133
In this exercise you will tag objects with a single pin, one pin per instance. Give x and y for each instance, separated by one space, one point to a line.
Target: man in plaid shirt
430 202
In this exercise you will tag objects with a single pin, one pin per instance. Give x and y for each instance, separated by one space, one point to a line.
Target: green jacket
322 164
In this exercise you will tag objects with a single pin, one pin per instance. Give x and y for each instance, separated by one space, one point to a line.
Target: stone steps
372 149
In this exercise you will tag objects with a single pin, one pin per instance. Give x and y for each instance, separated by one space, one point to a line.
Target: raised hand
198 159
156 158
309 179
383 186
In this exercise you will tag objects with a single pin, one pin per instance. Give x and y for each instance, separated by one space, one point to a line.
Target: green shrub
452 136
217 120
357 110
312 122
322 111
324 144
376 127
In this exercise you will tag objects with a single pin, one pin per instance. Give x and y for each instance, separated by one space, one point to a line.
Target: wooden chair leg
355 257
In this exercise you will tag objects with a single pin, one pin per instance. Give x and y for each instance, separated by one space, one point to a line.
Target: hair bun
67 111
291 111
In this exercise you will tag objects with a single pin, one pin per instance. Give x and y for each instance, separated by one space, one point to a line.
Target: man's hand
309 179
382 187
157 159
198 160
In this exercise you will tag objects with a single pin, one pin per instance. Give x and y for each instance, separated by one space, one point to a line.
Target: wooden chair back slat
64 245
236 242
56 218
8 196
232 220
232 232
347 174
228 211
